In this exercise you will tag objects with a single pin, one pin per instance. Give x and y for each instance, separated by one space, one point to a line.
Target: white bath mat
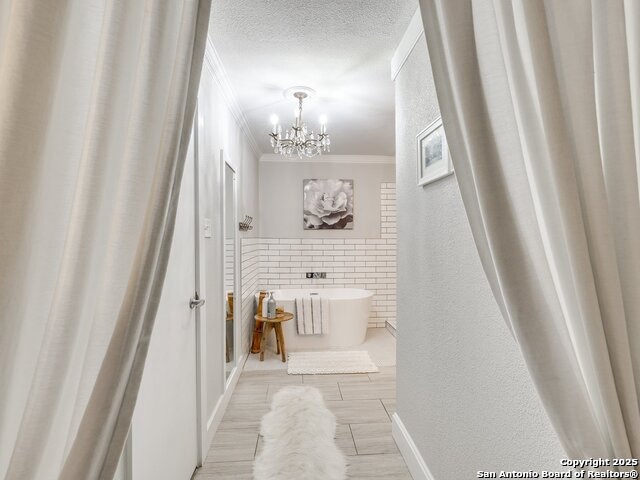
328 362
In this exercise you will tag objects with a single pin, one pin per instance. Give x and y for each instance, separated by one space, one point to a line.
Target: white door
164 428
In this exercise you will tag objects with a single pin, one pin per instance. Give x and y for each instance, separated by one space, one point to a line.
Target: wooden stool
274 324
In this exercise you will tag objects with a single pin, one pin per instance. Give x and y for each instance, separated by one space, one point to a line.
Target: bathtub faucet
316 274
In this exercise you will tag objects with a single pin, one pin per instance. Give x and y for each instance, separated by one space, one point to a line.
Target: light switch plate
207 228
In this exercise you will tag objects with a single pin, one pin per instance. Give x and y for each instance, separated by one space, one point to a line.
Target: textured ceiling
340 48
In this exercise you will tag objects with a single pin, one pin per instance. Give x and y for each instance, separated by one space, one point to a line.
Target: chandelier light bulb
323 124
274 123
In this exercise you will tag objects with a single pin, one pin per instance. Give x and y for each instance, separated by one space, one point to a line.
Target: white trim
417 467
237 253
201 342
377 159
218 412
409 40
219 73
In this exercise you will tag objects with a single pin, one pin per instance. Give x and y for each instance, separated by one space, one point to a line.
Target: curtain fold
96 106
539 101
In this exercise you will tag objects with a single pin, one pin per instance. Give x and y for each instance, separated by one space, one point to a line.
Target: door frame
237 288
200 286
212 420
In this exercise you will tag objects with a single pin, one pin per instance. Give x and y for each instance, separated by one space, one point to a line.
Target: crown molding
409 40
370 159
214 63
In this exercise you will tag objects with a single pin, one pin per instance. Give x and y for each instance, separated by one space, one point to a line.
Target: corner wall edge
214 63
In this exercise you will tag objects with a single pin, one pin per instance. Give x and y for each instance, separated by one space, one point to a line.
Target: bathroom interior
316 227
321 229
233 243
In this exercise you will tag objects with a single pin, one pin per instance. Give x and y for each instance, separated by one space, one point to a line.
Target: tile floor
362 403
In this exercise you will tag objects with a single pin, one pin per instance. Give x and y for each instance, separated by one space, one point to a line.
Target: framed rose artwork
434 161
327 204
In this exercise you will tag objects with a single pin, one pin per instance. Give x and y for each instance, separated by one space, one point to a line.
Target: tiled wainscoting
388 233
250 283
350 262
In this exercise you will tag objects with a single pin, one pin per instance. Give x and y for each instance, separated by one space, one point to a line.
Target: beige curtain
540 103
96 105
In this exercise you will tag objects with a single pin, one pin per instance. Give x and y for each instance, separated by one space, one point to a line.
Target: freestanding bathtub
348 318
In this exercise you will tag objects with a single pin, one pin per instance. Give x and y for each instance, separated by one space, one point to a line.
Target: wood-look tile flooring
362 403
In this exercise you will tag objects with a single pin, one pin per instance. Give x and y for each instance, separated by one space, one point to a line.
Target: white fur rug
299 440
330 361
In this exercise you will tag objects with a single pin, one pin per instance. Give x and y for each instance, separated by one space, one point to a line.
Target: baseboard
391 327
417 467
218 412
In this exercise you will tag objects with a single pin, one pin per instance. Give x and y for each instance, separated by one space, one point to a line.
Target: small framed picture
434 161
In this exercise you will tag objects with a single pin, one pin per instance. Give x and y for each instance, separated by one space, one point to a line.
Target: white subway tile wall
352 262
250 283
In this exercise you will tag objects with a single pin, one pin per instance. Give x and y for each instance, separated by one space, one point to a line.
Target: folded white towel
299 311
312 315
308 316
325 312
316 315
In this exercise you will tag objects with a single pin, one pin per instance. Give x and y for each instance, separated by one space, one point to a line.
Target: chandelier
298 140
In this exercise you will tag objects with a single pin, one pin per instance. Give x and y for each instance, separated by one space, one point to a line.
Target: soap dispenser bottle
263 304
271 306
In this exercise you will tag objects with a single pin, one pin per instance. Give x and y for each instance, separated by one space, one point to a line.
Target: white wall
281 193
464 393
220 128
364 257
249 205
